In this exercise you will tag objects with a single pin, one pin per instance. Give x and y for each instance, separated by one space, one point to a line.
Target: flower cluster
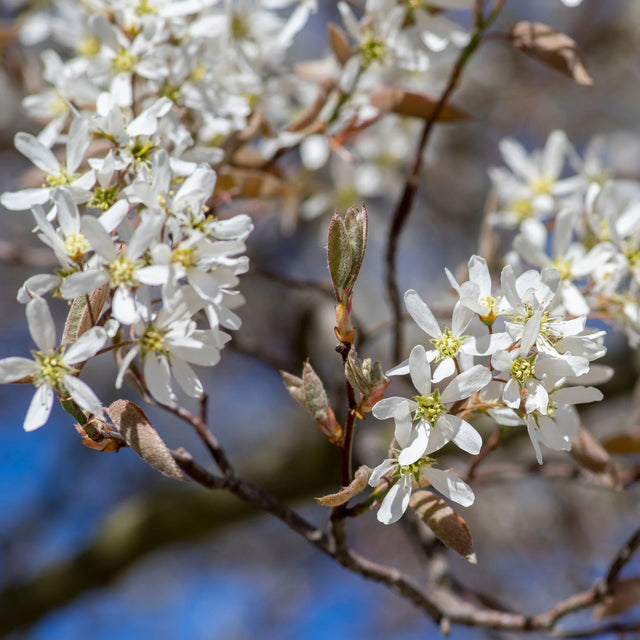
129 210
518 355
577 215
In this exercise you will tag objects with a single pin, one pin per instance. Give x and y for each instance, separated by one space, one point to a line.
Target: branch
405 204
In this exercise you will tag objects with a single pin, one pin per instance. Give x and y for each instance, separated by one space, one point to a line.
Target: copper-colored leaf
106 445
626 595
552 48
623 443
444 522
82 316
345 494
414 104
339 44
143 438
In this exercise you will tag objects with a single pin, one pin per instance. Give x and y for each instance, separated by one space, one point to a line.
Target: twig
405 204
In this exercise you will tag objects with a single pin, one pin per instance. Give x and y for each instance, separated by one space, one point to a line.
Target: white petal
125 309
77 143
395 503
382 469
537 397
83 283
466 384
451 486
530 333
403 426
83 394
551 436
41 324
24 199
15 368
502 360
205 284
511 394
464 435
420 370
29 146
40 408
158 378
86 346
416 447
517 159
421 313
460 319
98 238
390 407
446 368
479 274
577 395
488 344
186 377
399 370
534 433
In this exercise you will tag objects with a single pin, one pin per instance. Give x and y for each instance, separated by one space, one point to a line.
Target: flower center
522 208
185 256
522 369
239 27
104 197
563 267
541 185
75 245
429 407
51 368
372 49
62 178
152 341
89 47
447 344
122 271
124 61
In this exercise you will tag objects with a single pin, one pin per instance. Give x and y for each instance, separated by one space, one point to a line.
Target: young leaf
623 443
552 48
140 435
339 44
414 104
309 392
444 522
346 493
339 254
81 314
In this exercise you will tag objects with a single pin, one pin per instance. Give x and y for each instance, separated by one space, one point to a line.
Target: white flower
57 174
396 501
570 259
168 342
533 183
435 426
560 422
52 366
117 266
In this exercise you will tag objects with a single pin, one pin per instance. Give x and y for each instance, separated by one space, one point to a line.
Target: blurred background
100 545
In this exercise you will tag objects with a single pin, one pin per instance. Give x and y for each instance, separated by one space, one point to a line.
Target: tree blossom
403 477
52 369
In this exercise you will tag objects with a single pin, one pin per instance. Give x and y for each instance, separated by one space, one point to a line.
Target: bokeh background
117 550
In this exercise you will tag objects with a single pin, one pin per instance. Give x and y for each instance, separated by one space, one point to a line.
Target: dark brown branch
207 437
405 204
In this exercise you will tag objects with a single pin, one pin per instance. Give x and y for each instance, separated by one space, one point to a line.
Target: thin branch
405 204
207 437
